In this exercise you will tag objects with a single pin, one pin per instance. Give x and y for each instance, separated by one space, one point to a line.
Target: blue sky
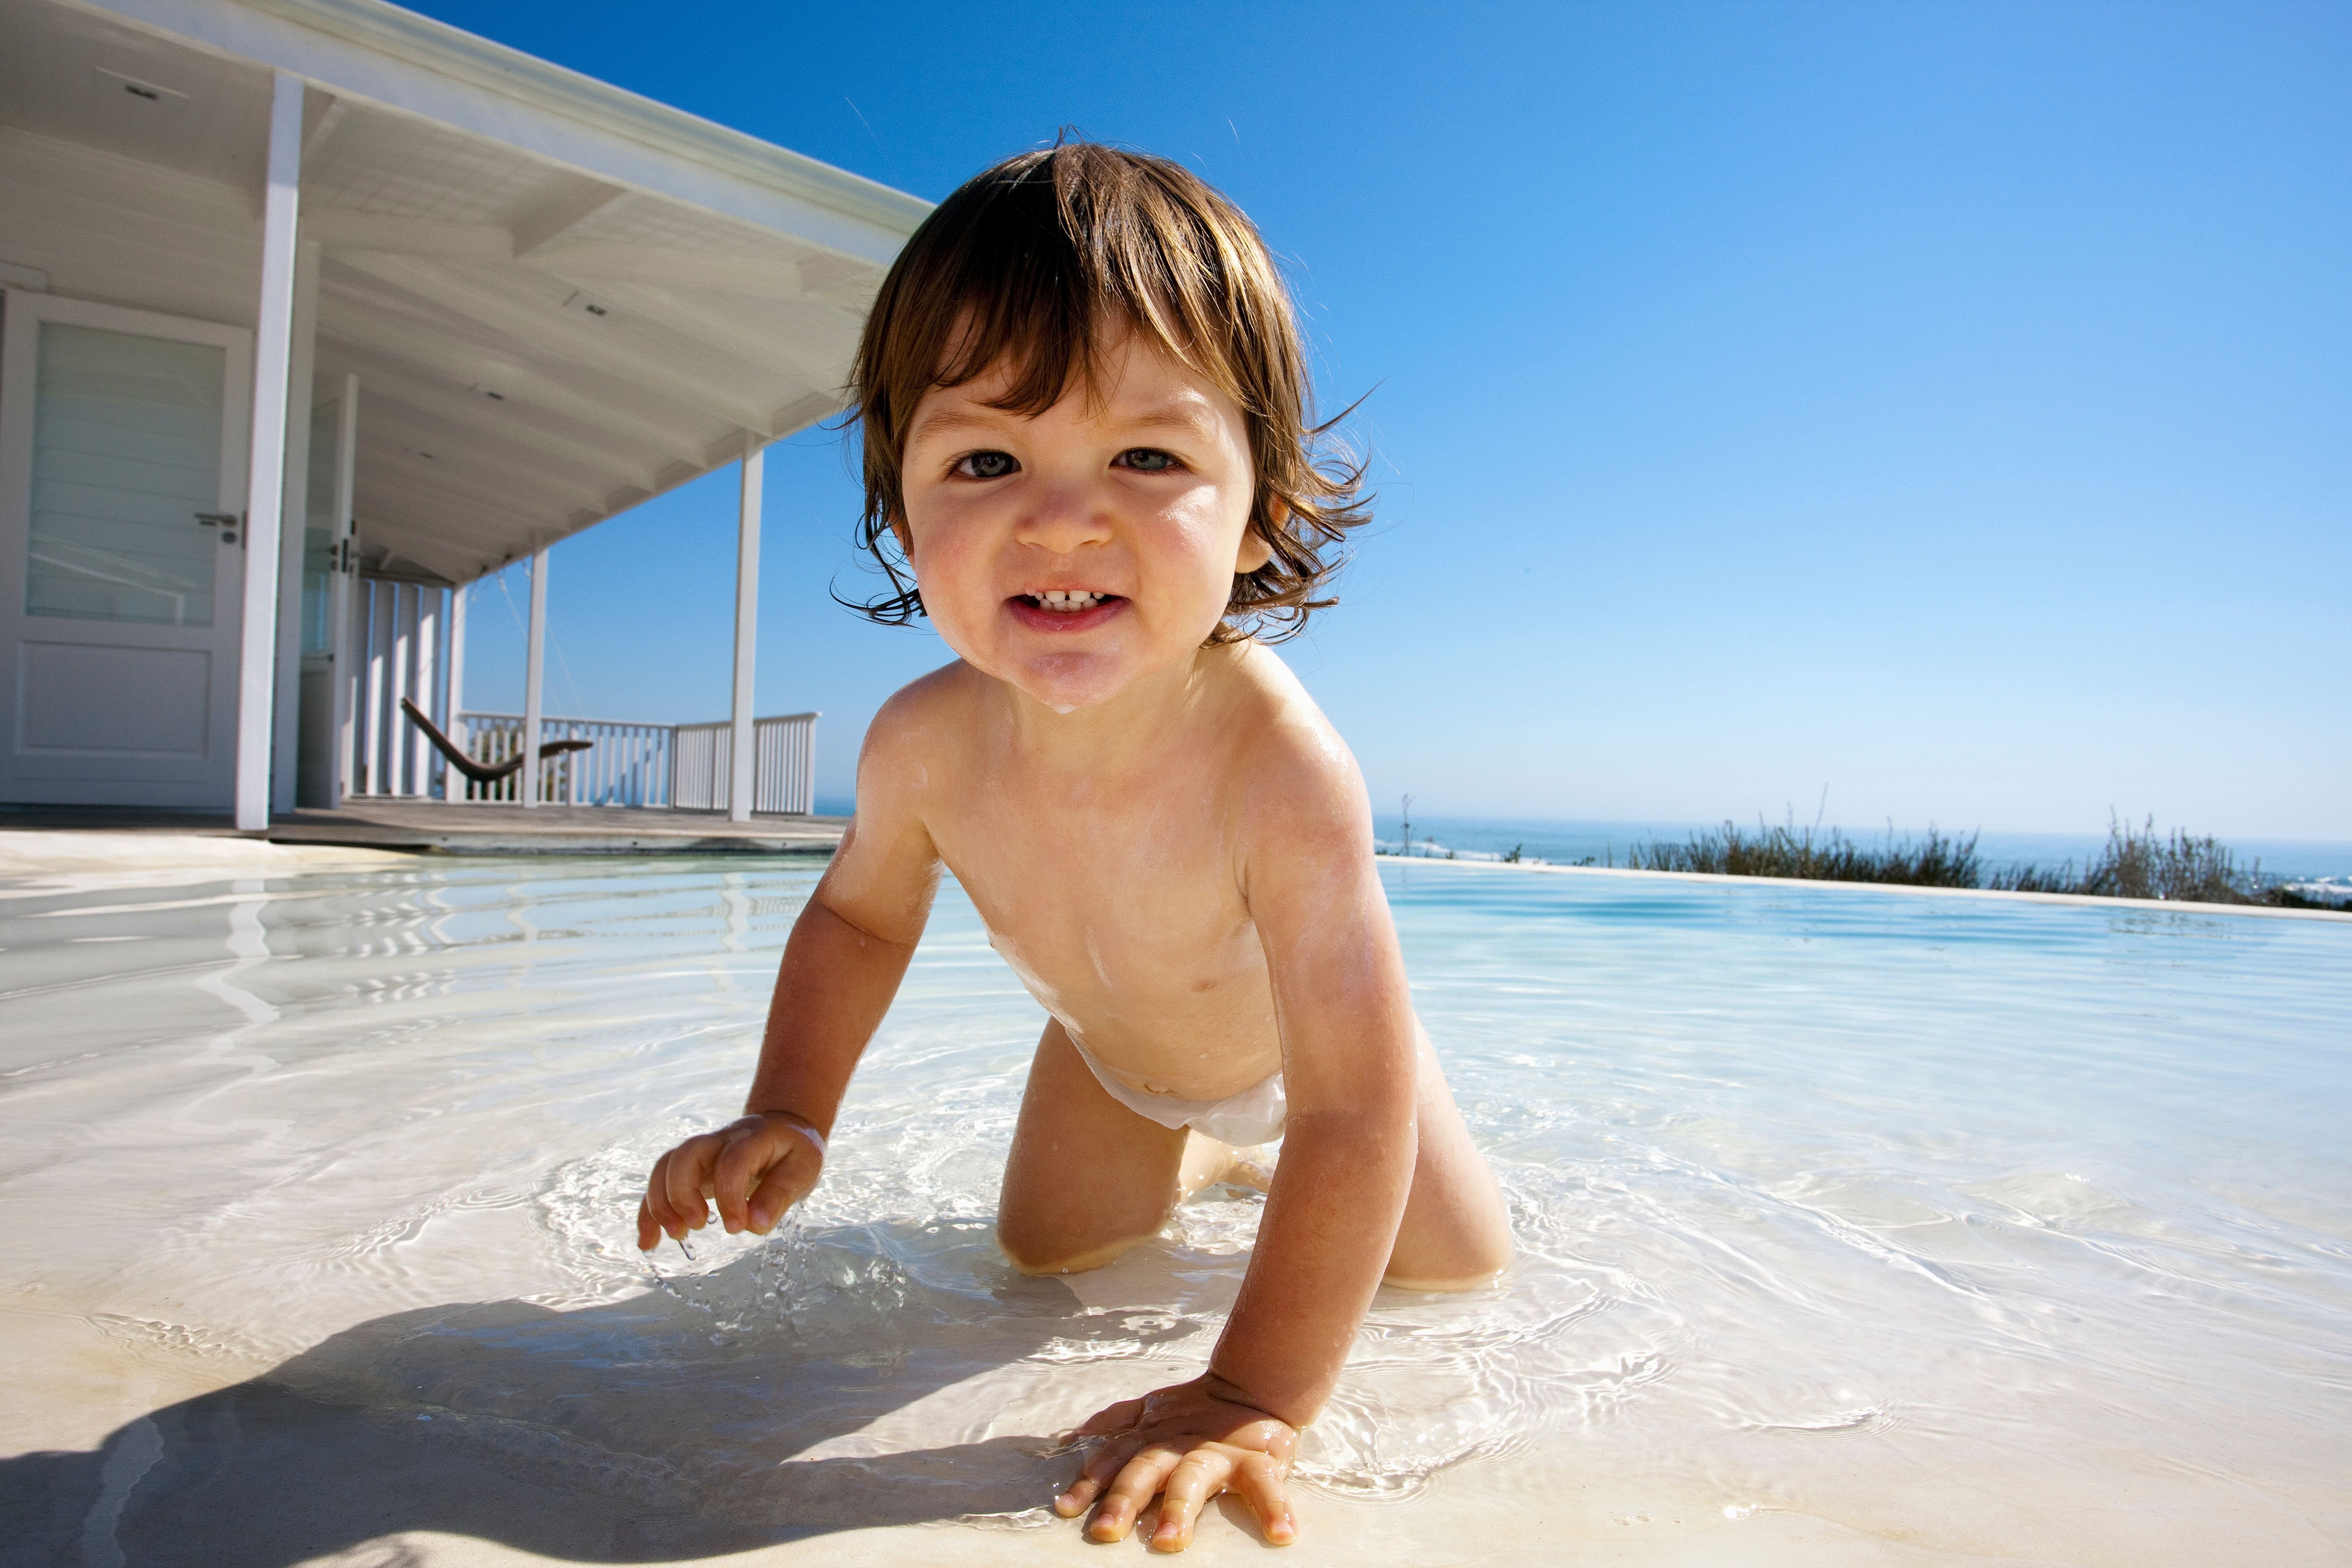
1946 405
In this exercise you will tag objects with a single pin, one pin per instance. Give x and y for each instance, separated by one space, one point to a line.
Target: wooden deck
483 829
431 827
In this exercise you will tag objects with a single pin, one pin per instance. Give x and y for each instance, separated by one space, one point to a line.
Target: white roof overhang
559 298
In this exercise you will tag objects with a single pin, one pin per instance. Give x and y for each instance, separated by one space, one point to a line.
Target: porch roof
559 298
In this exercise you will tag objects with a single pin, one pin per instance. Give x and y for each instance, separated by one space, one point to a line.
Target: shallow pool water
1828 1200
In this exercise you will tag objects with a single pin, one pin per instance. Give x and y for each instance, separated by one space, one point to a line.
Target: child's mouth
1065 609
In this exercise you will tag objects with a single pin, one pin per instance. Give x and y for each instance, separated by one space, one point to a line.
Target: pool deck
1907 889
483 829
436 828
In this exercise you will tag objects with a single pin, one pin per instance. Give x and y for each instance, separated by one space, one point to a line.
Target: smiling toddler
1089 462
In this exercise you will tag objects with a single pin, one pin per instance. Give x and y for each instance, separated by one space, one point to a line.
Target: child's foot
1246 1169
1208 1163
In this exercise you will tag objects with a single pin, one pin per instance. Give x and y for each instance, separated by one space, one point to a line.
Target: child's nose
1063 521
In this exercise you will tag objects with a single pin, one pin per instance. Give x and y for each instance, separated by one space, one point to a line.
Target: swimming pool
1857 1226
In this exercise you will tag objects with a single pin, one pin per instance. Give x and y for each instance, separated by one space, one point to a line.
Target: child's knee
1408 1276
1047 1233
1034 1254
1463 1257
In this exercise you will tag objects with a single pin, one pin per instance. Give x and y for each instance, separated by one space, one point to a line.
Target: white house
315 309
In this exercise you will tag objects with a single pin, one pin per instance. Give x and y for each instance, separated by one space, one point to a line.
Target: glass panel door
126 465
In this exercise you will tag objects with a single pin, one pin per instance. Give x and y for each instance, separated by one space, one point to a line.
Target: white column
343 634
378 598
453 781
534 674
428 686
273 342
742 761
403 665
294 540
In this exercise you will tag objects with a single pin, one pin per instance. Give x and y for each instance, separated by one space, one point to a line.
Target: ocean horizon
1570 841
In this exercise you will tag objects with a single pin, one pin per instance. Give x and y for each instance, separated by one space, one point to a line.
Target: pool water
2018 1229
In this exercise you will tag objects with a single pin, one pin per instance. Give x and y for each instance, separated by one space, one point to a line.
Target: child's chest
1120 899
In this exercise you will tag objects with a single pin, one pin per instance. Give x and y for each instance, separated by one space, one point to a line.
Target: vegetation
2140 863
2136 863
1937 862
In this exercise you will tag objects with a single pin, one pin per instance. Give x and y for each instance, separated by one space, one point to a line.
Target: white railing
784 764
626 764
683 766
397 628
784 772
699 766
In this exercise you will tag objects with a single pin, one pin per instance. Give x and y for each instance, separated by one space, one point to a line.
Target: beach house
315 312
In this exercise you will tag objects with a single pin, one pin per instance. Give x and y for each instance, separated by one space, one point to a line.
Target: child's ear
898 532
1255 551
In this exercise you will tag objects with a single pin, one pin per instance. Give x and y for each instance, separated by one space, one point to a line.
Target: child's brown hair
1026 262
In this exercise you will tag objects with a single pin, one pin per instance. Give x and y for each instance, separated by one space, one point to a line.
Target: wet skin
1173 850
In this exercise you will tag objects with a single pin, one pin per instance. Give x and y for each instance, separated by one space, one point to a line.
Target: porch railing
626 764
784 764
681 766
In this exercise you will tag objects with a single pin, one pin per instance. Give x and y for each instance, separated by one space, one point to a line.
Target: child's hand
757 1168
1191 1444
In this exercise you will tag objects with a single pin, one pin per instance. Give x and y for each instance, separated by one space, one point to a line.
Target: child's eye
986 465
1147 459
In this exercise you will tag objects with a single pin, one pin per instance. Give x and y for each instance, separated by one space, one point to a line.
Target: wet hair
1036 262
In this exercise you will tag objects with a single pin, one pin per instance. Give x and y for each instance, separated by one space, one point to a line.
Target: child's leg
1087 1178
1455 1234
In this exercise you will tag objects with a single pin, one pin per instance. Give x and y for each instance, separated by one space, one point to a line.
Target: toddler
1089 463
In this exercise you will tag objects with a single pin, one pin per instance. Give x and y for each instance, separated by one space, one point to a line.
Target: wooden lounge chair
481 773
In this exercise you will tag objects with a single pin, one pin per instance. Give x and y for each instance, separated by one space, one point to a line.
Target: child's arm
842 965
1338 1192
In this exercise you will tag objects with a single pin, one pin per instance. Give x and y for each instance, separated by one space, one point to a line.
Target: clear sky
1946 405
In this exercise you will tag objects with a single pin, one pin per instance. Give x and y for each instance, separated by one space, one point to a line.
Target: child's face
1138 504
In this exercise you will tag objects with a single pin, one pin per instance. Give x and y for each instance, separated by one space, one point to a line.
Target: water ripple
1821 1173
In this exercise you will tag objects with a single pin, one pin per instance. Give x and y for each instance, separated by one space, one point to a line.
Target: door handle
227 521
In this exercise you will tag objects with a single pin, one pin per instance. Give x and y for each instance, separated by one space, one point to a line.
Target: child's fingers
1107 1461
1075 1496
771 1169
686 1177
736 1171
1263 1484
656 1206
785 1186
648 1230
1138 1481
1198 1477
1101 1464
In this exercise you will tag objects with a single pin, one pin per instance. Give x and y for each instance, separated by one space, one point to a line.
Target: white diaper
1255 1115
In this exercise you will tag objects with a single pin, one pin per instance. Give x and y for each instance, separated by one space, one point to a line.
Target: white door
122 467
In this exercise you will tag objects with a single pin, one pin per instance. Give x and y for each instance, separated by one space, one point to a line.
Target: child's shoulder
1274 710
952 689
916 733
1300 771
